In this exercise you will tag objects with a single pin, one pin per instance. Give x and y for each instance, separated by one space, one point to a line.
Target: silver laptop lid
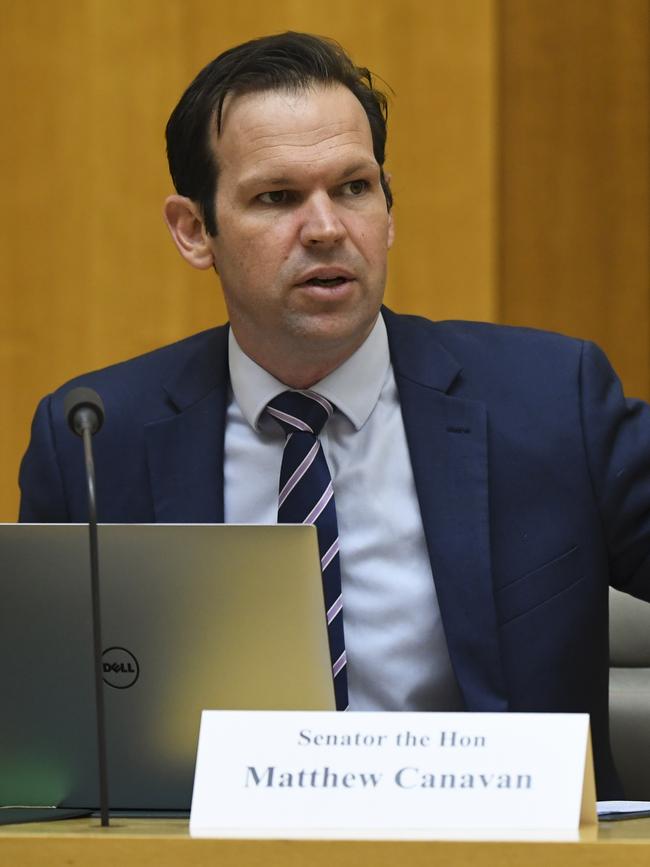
193 617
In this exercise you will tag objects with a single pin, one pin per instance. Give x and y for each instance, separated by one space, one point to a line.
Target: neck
298 370
302 377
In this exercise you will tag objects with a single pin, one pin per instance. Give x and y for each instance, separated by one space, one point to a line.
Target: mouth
326 278
329 282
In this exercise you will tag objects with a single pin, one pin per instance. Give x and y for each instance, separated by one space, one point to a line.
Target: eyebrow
285 180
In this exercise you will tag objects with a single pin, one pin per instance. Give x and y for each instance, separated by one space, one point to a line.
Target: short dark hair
286 61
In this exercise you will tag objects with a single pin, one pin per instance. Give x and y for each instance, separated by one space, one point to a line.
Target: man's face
303 228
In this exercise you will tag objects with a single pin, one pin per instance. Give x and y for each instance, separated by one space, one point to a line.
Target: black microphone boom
84 412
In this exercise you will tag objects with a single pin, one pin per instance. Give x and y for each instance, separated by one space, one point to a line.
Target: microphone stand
97 627
84 412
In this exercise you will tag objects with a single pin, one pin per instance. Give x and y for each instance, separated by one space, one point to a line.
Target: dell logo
125 668
120 668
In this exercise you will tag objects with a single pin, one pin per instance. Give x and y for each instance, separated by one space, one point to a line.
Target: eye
355 188
274 197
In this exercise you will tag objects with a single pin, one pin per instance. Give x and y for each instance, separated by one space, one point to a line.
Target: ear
391 225
185 224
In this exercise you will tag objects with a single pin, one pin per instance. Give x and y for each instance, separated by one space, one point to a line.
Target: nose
321 222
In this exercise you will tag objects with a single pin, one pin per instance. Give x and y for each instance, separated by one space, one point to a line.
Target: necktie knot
300 411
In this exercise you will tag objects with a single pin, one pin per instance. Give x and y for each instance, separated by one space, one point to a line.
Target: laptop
193 617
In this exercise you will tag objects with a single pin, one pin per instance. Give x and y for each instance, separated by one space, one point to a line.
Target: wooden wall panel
574 192
522 196
88 274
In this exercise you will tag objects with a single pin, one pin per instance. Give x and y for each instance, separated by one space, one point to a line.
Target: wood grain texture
166 843
88 273
574 168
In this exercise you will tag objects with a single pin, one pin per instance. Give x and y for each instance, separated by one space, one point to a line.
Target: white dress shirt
395 642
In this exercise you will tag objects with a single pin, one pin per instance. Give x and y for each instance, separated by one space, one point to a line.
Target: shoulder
196 364
482 337
485 353
158 363
143 390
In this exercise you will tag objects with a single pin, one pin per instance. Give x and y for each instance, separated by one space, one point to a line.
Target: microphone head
83 408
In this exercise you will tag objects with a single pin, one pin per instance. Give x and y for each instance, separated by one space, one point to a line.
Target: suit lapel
185 451
447 438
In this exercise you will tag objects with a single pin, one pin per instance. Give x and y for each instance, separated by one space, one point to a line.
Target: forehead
278 128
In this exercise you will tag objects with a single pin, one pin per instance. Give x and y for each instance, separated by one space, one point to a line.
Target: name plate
350 775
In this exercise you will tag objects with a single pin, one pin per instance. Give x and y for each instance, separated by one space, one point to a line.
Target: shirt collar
354 387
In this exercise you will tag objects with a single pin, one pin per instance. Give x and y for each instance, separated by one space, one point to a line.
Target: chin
331 341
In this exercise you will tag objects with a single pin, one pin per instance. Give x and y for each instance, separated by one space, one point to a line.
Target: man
490 482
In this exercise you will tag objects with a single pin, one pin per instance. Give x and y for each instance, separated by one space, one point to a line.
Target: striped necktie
307 497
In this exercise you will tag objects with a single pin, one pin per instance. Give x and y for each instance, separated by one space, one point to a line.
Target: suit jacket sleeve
616 431
41 480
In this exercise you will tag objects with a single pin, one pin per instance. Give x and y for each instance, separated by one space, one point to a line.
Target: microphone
84 411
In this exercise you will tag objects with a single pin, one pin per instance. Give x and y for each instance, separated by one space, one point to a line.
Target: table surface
166 843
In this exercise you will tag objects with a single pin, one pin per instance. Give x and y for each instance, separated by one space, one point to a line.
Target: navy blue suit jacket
532 473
